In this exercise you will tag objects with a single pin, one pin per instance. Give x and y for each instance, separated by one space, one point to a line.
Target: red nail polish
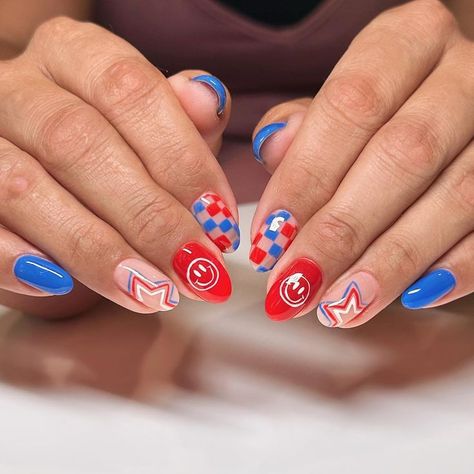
202 273
293 290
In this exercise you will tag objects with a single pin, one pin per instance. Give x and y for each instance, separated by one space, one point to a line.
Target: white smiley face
202 274
294 290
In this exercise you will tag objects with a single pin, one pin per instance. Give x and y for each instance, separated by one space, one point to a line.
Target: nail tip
218 87
262 136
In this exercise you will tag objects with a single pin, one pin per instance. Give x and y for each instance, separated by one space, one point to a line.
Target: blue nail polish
217 86
43 275
429 289
262 136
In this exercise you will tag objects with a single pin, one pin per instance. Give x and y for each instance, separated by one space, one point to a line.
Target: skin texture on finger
383 66
201 102
398 165
36 207
449 279
108 73
406 250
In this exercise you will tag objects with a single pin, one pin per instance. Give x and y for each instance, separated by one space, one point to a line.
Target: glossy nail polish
43 275
347 300
429 289
217 222
262 136
293 290
218 88
202 273
146 284
272 240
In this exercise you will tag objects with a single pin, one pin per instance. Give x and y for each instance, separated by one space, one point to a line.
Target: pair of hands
108 169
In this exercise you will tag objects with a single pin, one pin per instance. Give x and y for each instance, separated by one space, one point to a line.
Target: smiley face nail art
293 290
202 273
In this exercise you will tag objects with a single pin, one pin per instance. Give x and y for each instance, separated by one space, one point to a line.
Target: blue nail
262 136
217 86
429 289
43 275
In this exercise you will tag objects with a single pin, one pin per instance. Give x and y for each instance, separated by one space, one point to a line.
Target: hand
106 167
378 173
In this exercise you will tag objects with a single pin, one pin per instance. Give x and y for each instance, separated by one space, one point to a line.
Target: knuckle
461 190
53 28
338 235
401 255
409 148
153 218
126 83
358 98
17 176
69 135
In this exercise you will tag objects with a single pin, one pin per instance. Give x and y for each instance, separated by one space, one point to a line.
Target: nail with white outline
217 87
347 301
146 284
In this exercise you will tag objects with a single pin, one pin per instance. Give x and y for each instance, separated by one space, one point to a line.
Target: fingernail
347 300
293 290
217 222
146 284
429 289
217 86
202 273
262 136
272 240
43 275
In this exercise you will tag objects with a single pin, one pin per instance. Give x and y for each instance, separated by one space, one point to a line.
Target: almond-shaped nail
217 221
262 136
347 300
217 87
293 290
202 273
146 284
272 240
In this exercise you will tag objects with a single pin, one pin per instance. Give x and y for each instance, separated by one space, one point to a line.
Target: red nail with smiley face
293 290
202 273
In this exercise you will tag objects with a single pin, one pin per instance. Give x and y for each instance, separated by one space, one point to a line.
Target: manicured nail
347 300
217 221
146 284
202 273
293 290
272 240
429 289
262 136
43 275
217 86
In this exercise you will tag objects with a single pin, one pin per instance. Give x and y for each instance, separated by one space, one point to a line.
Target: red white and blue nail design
348 300
217 87
262 136
217 222
146 284
272 240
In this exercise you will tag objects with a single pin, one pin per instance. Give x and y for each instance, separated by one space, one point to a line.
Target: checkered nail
217 222
272 240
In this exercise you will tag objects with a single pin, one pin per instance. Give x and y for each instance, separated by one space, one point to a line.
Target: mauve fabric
261 65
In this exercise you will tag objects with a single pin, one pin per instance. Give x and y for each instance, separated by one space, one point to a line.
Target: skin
28 60
378 168
80 181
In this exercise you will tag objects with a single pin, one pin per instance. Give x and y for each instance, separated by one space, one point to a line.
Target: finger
406 250
397 165
449 279
138 101
26 271
45 214
276 131
380 70
207 102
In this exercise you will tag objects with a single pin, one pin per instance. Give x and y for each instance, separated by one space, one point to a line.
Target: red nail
202 273
293 290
